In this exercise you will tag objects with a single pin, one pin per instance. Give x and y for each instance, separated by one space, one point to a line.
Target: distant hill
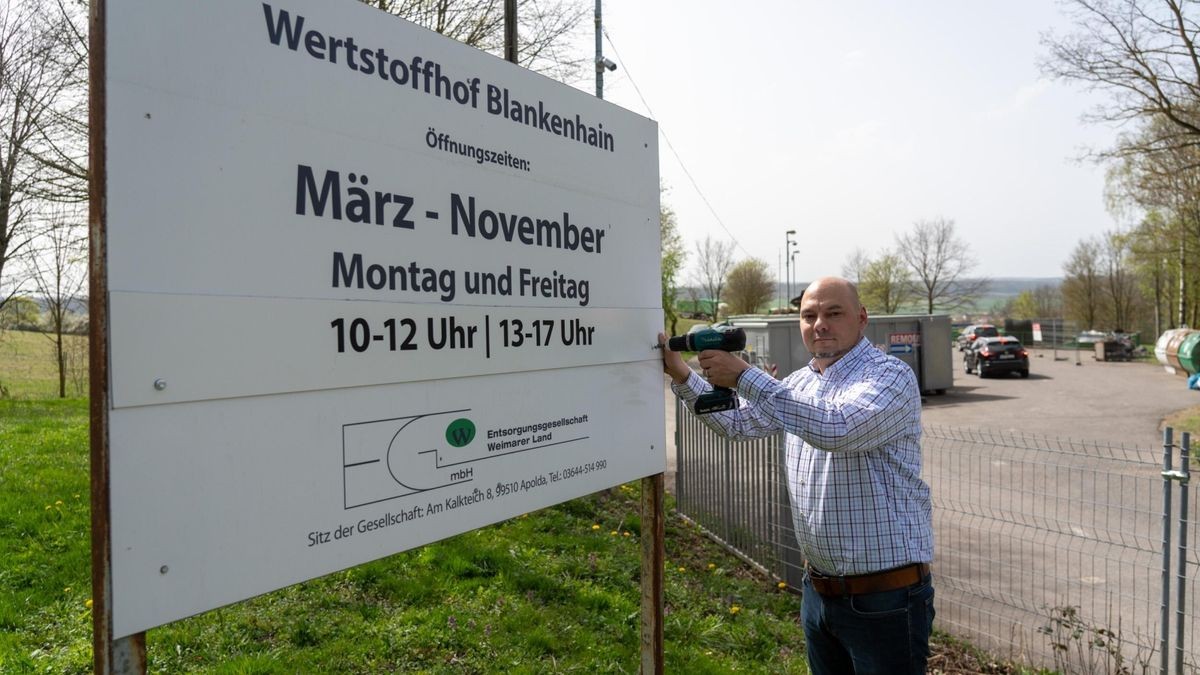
1016 285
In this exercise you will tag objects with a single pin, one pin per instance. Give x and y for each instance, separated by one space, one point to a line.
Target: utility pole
510 31
787 259
602 63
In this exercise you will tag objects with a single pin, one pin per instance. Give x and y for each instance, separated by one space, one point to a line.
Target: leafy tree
886 284
20 312
940 261
1164 182
1151 253
673 257
749 287
1119 285
715 259
1082 285
1042 302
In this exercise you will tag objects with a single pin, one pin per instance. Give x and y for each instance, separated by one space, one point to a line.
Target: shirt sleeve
743 422
865 414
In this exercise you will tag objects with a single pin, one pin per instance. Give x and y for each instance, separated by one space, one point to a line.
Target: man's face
831 322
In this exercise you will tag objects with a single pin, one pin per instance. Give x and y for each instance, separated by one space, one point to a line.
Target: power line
679 159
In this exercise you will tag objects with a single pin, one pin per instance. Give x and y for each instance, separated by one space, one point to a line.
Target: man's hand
673 364
722 368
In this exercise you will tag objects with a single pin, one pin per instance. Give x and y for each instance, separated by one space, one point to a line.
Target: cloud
855 60
1018 102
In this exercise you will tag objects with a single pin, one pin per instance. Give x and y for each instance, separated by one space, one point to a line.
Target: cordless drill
725 338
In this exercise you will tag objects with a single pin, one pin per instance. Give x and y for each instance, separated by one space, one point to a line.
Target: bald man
862 514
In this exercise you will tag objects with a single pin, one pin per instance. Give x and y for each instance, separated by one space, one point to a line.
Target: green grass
553 591
27 365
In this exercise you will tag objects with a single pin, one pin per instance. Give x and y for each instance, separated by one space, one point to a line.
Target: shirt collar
845 364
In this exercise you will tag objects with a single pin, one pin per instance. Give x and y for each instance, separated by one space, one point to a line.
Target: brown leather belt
876 582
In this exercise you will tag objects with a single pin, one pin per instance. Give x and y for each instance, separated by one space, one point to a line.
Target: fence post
727 506
1165 619
1181 563
680 459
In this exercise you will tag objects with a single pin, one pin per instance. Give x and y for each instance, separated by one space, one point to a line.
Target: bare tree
35 87
1082 286
1141 52
59 270
856 265
886 284
715 259
750 286
545 29
941 262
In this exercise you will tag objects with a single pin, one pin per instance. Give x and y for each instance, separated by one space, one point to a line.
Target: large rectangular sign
368 288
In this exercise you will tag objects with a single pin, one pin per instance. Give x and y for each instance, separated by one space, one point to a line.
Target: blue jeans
873 633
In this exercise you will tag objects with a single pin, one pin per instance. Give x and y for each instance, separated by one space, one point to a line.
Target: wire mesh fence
1048 552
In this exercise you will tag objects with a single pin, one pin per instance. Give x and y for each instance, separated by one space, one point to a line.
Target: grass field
554 591
27 365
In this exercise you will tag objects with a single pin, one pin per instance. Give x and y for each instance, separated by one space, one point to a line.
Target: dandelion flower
626 533
682 569
88 604
49 506
782 585
595 527
614 533
58 503
67 589
735 609
712 566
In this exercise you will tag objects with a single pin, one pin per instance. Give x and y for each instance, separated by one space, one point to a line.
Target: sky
850 121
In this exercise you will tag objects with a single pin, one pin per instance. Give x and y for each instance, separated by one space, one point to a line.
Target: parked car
1001 354
975 331
1090 337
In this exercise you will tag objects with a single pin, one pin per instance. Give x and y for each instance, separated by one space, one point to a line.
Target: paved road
1119 403
1065 397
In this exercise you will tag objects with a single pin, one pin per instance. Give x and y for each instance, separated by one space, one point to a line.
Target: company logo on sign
460 432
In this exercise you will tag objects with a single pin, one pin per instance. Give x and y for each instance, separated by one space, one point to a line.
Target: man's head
832 319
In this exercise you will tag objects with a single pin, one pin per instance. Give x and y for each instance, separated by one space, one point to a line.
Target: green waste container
1189 353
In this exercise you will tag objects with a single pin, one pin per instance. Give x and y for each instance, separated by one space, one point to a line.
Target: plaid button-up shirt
859 504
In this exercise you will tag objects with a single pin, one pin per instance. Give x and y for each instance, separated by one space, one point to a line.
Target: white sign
368 288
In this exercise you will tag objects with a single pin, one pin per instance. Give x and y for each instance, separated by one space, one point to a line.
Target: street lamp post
787 259
794 275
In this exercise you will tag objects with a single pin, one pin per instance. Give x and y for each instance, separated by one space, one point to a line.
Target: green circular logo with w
460 432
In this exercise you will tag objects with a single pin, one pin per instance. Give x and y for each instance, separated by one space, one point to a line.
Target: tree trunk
62 364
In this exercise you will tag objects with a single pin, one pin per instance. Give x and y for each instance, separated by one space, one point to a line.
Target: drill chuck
725 338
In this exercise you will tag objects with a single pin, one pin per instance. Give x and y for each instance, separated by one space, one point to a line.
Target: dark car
971 333
1001 354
